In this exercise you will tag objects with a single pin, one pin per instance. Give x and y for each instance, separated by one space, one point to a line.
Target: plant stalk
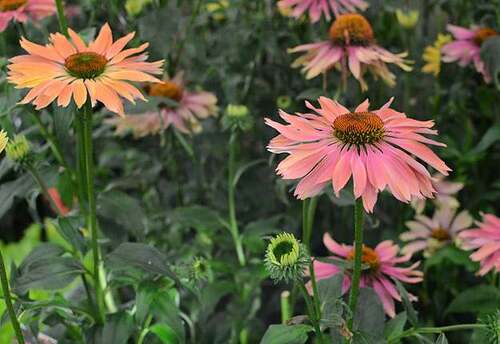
8 302
63 24
45 191
358 253
427 330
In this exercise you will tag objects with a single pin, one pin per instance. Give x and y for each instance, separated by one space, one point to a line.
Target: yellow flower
134 7
432 55
3 140
216 9
409 19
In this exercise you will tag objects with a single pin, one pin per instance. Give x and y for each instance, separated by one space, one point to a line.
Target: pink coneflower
382 269
22 10
431 234
373 147
184 116
69 68
317 8
351 47
486 239
467 47
445 192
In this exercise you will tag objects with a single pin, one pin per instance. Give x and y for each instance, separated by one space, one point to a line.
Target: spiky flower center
440 234
87 65
11 5
284 250
359 128
369 257
351 29
484 34
167 89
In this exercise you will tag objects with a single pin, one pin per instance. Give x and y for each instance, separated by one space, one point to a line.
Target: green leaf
479 299
118 328
330 292
442 339
369 318
168 314
395 326
164 333
284 334
198 217
141 256
451 254
122 209
410 311
491 136
490 55
69 229
18 188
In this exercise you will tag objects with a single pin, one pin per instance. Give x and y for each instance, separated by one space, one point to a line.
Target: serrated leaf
395 326
122 209
369 318
284 334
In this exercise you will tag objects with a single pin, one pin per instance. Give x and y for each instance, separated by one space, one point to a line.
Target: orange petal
109 98
103 40
62 45
119 45
79 92
77 41
47 51
128 52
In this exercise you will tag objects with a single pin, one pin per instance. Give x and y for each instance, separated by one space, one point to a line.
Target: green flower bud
237 117
492 323
283 102
286 258
4 139
200 269
18 149
409 19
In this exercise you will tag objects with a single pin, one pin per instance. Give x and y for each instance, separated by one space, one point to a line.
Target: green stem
91 216
145 329
358 252
233 223
8 302
427 330
311 311
45 191
285 306
63 25
80 164
315 298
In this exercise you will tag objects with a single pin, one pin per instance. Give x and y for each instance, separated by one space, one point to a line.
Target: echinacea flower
351 47
69 68
466 47
486 241
4 139
382 268
432 55
374 147
286 258
176 106
445 192
22 10
18 149
316 8
430 235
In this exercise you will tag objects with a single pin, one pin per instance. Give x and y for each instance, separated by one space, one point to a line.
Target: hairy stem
358 251
63 24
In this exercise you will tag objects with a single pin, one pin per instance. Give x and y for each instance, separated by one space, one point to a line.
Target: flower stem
311 311
285 306
233 223
426 330
358 251
308 211
8 302
91 215
36 176
63 25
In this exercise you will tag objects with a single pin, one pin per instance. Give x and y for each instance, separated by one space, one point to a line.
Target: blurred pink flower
382 265
373 147
56 198
22 10
486 239
431 234
445 190
351 47
318 7
191 106
467 46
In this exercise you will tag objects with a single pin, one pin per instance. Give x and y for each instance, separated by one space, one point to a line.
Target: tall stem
45 191
311 311
63 25
8 302
233 223
91 215
358 252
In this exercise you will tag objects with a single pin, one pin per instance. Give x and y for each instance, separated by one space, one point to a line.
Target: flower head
372 146
286 258
18 149
409 19
69 68
431 234
351 47
237 117
432 55
316 8
4 139
381 268
22 10
466 47
174 105
486 241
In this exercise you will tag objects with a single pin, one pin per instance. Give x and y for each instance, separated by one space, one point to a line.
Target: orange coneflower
69 68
